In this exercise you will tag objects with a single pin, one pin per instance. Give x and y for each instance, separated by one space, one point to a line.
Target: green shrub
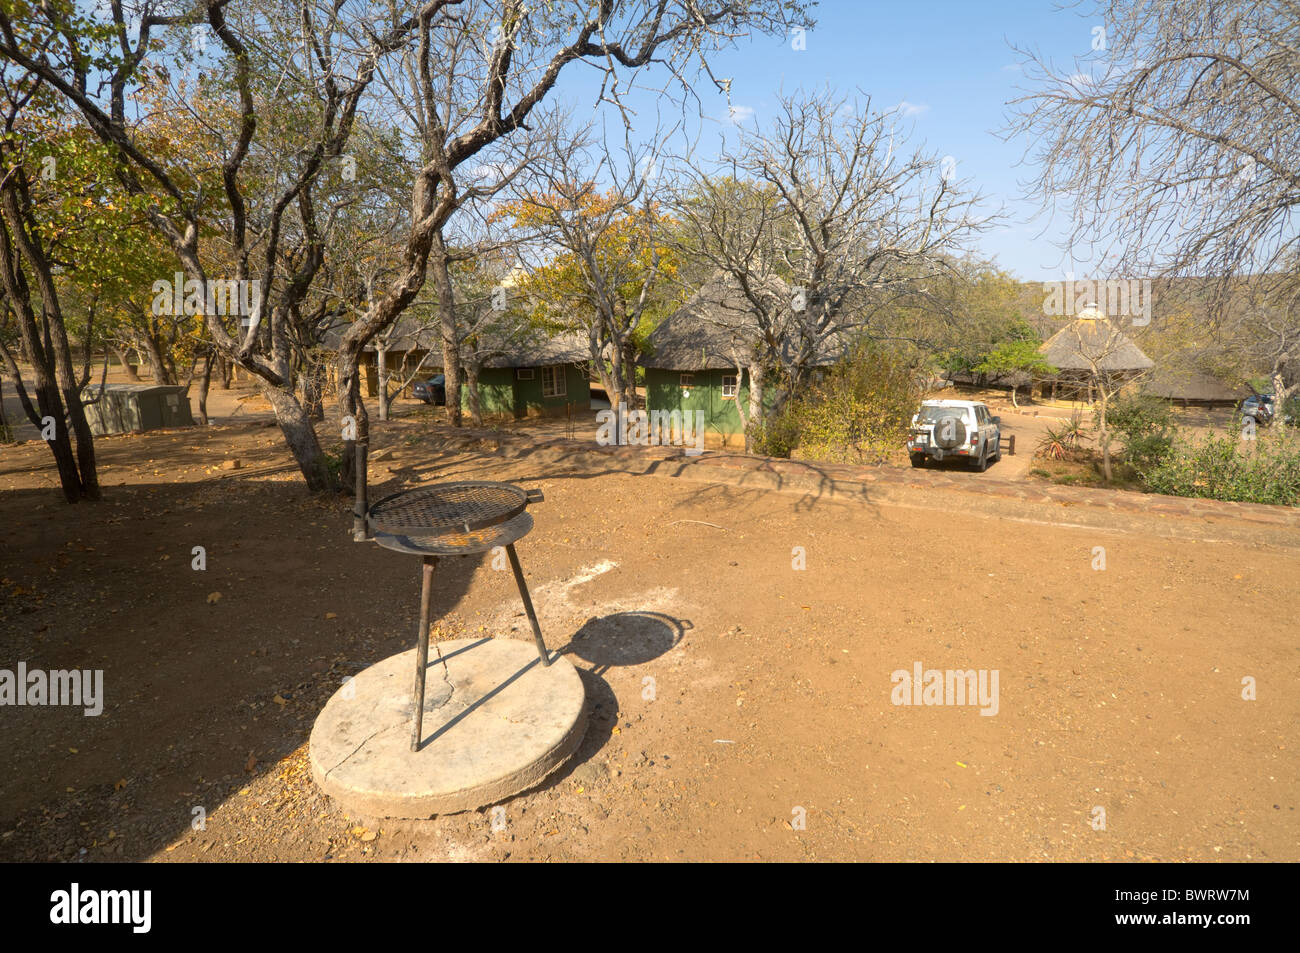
333 463
778 436
1145 426
858 413
1225 467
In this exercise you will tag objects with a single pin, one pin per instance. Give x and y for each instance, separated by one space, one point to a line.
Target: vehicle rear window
930 415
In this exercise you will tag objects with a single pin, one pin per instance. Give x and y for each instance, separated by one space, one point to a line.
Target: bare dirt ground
730 693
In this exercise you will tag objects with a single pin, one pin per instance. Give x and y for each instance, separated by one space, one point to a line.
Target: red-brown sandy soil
730 693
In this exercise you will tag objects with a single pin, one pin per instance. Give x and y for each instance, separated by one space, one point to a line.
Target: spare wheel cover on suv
949 436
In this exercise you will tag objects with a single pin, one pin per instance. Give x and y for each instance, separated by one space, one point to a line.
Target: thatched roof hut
718 326
714 328
1091 351
1092 343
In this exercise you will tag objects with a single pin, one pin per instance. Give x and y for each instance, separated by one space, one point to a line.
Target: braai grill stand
497 723
447 519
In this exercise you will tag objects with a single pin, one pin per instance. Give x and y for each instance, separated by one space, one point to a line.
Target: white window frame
559 383
687 380
735 386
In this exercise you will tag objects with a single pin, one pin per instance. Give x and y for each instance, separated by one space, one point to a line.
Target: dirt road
739 648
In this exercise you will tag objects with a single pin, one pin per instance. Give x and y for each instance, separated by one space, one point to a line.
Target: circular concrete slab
497 722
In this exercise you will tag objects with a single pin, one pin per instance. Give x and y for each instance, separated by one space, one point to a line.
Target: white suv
955 428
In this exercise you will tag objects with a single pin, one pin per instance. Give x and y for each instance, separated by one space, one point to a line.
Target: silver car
945 429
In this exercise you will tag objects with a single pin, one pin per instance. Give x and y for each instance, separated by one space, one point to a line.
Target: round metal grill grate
445 508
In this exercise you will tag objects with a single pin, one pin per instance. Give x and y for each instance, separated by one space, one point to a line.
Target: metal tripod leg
528 603
422 648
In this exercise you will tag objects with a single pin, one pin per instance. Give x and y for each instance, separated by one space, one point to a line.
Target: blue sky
952 62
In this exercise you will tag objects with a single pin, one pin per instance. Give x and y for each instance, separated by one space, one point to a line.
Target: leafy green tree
966 315
1019 356
68 251
606 276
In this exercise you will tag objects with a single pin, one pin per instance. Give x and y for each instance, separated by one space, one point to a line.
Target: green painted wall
496 392
502 393
665 392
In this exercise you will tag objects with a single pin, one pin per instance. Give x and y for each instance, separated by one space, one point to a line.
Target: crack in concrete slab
446 677
349 756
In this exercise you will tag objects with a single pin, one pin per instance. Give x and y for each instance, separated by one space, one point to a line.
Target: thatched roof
1189 384
403 335
409 334
718 326
711 330
1009 379
1092 339
534 349
530 347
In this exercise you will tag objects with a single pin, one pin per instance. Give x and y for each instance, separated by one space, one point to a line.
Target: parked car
432 391
943 429
1259 410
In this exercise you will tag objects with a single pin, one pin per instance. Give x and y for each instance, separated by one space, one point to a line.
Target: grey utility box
128 408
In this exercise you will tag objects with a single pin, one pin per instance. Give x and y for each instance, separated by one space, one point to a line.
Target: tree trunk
61 444
45 341
351 409
123 359
88 474
1280 394
24 399
629 365
622 394
48 406
606 381
6 434
740 410
313 390
1103 435
295 424
153 357
451 365
755 403
381 356
205 382
224 371
300 435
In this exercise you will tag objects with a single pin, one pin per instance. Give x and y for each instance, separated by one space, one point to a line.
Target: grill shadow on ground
625 638
622 638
